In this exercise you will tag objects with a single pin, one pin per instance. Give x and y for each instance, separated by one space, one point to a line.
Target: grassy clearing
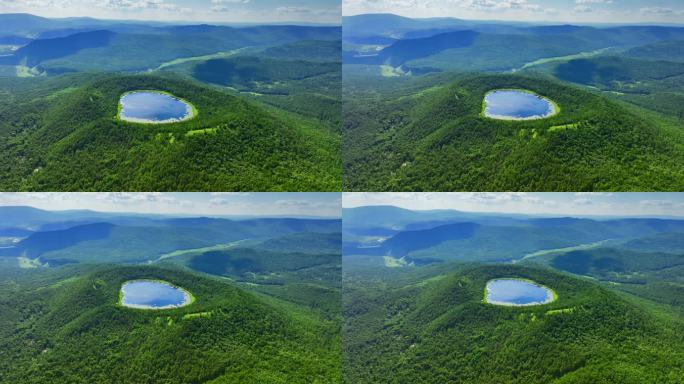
217 55
581 247
197 315
184 252
24 71
389 71
556 128
201 132
26 263
581 55
560 311
391 262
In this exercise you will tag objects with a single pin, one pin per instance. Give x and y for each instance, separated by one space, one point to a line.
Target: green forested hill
434 138
308 50
67 138
672 50
148 241
413 329
65 326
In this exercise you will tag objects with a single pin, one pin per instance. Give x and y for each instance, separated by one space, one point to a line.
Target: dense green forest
267 296
56 137
414 285
65 326
436 139
413 92
410 328
267 121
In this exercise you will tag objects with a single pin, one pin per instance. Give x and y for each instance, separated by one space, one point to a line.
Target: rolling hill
439 330
436 139
67 327
265 306
439 236
413 101
267 121
669 50
75 143
143 241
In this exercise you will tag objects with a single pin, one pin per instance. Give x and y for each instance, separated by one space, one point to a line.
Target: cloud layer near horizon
204 204
236 11
571 204
578 11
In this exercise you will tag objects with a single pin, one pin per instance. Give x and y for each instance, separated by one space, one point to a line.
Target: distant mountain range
458 236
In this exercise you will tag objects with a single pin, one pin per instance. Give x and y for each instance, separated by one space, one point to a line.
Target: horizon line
554 22
555 215
179 21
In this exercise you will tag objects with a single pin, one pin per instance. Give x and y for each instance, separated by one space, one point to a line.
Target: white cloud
500 5
583 202
657 203
658 10
306 11
594 194
593 1
133 5
572 204
198 204
226 198
36 3
226 5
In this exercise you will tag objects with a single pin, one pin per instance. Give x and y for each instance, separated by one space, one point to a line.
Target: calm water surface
153 107
519 105
517 292
153 295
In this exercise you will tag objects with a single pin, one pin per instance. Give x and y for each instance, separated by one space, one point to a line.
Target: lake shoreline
554 108
190 110
188 298
551 297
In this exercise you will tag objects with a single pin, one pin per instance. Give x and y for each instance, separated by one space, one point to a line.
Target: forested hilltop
416 305
264 121
437 139
66 327
264 305
414 106
437 329
74 142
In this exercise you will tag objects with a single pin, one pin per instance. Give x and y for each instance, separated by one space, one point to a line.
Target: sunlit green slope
429 135
410 329
63 134
66 327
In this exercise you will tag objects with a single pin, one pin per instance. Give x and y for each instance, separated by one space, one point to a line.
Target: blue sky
204 204
578 11
572 204
235 11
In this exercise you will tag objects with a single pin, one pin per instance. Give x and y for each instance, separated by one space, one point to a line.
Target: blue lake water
517 105
517 292
153 295
153 107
